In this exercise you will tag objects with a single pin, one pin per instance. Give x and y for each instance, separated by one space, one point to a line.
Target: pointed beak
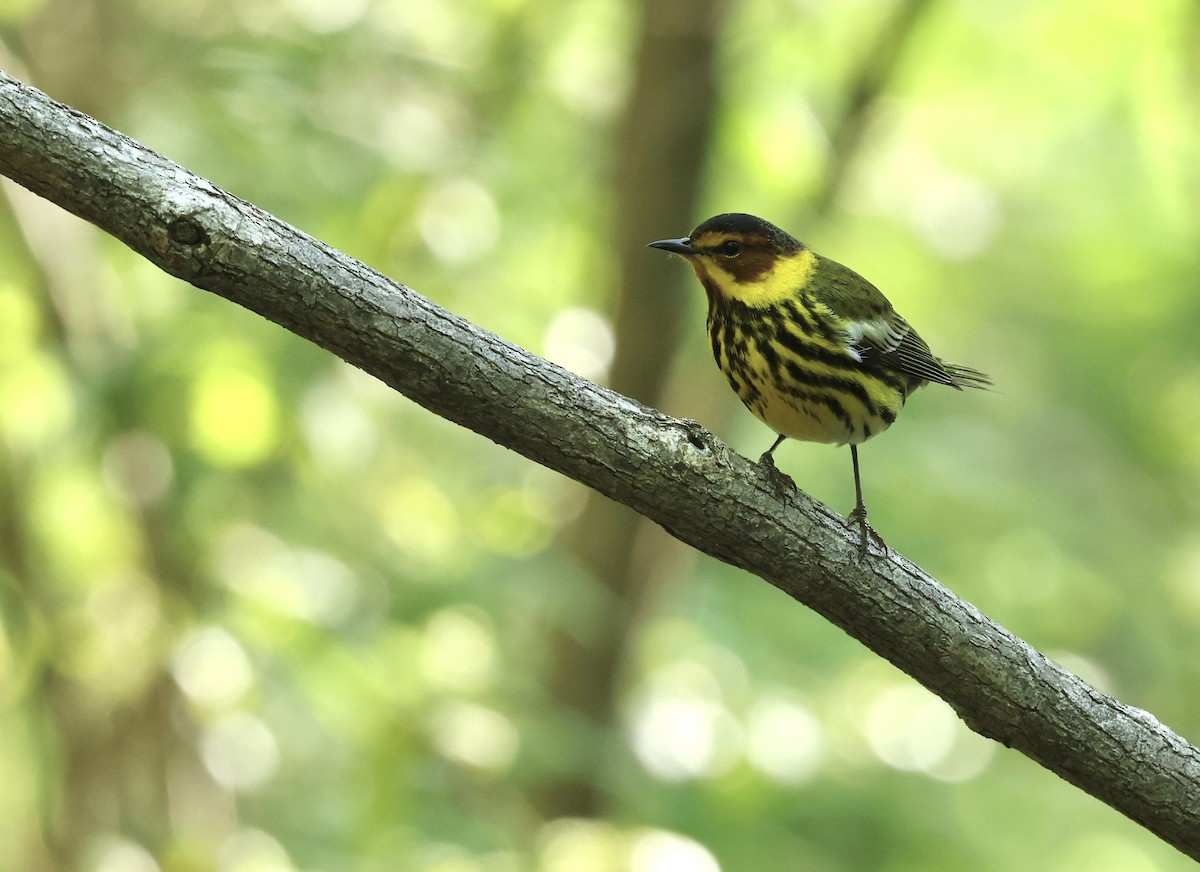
675 246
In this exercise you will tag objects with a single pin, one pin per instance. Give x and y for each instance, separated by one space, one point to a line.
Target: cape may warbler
813 349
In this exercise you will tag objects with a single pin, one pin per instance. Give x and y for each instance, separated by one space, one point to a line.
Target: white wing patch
883 334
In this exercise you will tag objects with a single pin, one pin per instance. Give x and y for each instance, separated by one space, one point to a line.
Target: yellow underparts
827 416
823 396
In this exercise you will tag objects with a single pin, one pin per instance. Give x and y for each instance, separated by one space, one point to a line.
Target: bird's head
744 258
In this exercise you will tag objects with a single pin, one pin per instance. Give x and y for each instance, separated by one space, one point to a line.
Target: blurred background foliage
258 613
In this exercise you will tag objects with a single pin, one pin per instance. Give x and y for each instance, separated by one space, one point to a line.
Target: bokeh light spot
662 851
253 851
212 668
474 734
784 740
909 728
240 752
115 853
576 845
680 729
420 519
459 221
36 404
458 652
234 418
581 340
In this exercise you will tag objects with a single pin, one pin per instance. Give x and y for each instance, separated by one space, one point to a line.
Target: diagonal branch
657 465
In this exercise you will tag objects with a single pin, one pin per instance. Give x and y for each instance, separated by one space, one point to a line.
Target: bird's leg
859 515
781 480
768 457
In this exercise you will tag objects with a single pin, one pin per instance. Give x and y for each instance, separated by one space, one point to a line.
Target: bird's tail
966 377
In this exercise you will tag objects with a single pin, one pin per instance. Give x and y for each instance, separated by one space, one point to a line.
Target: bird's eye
731 248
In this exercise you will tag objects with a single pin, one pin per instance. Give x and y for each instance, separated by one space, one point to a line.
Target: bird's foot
781 481
866 532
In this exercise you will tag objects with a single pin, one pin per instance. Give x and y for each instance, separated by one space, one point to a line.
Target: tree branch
672 471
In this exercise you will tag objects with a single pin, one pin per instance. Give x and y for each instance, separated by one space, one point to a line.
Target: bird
814 350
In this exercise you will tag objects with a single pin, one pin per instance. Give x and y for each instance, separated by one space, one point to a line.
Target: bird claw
865 531
781 480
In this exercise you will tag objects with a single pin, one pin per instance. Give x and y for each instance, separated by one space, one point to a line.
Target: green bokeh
258 612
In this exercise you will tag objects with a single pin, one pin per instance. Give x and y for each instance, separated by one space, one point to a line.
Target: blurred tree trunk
661 148
876 70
